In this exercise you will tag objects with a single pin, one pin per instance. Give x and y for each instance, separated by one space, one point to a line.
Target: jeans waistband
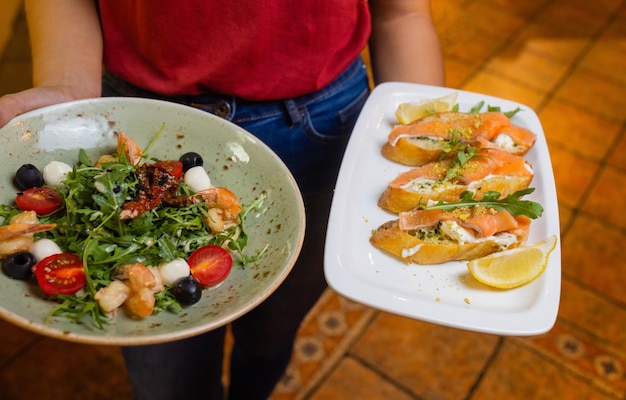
225 106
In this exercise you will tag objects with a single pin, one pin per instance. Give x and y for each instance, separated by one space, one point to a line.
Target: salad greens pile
89 226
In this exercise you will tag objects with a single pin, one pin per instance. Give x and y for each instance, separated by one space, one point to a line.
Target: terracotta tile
324 337
491 84
592 311
593 254
565 216
608 197
595 93
607 57
600 8
423 357
458 71
618 25
448 10
353 380
572 175
550 41
520 9
518 373
61 370
580 17
472 44
530 68
617 158
590 360
493 20
576 129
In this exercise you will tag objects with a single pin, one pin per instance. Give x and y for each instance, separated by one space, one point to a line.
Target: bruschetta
427 139
484 170
435 236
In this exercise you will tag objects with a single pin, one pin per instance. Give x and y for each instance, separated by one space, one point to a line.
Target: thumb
14 104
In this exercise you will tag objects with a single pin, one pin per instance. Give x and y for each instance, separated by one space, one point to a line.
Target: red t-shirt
254 49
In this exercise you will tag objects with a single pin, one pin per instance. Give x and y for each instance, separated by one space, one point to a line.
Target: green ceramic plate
233 157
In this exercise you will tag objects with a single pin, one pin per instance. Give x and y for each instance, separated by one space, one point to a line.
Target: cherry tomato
60 274
210 264
42 200
174 167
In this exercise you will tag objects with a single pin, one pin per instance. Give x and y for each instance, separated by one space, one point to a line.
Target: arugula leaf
479 106
511 203
476 109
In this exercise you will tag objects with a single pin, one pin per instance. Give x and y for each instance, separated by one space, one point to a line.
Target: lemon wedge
414 110
515 267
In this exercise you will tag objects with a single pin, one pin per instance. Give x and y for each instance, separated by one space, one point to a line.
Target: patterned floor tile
529 68
324 338
353 380
572 175
584 357
608 198
494 84
596 93
425 358
593 254
518 372
568 125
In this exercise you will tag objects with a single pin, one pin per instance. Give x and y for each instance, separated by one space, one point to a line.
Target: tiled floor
567 60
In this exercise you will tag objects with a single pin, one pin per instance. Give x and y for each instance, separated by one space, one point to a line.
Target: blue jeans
309 134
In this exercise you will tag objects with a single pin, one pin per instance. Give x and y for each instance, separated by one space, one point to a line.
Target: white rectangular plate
444 294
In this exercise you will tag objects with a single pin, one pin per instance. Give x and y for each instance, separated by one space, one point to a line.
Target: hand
14 104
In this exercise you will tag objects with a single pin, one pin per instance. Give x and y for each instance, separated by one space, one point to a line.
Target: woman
289 72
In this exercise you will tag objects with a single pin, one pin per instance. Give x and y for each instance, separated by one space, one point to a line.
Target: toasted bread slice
397 199
428 249
435 237
486 170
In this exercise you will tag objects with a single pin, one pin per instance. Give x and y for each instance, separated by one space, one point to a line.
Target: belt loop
292 110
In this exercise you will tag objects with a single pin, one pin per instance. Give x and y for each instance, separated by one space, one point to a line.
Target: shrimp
142 282
129 147
224 207
141 303
18 234
113 296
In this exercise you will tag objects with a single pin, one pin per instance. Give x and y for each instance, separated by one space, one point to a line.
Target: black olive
28 176
187 290
19 265
191 160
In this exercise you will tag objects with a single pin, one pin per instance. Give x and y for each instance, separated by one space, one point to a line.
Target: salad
124 232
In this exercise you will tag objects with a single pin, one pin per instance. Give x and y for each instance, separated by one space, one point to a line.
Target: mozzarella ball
43 248
174 270
55 172
197 179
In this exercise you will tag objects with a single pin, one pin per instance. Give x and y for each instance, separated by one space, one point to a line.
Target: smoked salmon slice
488 161
485 222
447 125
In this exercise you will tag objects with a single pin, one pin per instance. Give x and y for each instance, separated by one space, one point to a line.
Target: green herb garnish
479 106
511 203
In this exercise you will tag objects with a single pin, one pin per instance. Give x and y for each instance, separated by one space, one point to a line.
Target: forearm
404 45
66 42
